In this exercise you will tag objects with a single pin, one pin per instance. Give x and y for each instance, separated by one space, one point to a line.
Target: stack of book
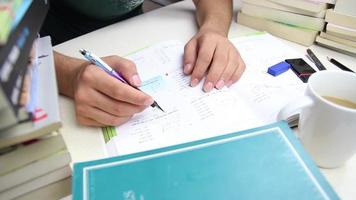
20 22
34 161
299 21
340 32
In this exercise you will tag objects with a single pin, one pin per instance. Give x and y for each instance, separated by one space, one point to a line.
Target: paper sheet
190 114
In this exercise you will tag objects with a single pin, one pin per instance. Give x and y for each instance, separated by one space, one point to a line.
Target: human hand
210 53
102 100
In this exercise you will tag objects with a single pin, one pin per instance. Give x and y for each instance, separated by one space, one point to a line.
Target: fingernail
148 102
187 68
208 87
194 82
229 83
136 80
220 84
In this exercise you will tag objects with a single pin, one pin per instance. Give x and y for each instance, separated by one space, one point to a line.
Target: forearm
66 70
214 15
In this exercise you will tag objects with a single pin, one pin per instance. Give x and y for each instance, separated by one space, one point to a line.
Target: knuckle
207 37
79 96
213 76
197 75
130 64
113 57
118 111
113 121
117 93
205 58
80 110
88 74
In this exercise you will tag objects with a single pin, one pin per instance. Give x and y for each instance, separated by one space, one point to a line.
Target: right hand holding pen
102 100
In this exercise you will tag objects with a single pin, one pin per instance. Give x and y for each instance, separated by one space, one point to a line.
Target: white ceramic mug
326 129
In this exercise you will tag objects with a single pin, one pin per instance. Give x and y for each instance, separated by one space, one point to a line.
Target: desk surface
176 21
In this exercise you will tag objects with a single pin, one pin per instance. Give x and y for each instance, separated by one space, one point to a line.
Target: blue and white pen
100 63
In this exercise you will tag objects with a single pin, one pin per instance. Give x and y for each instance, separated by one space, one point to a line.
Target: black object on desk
301 68
317 62
339 65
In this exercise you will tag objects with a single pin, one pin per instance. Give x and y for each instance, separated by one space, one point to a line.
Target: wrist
67 71
214 27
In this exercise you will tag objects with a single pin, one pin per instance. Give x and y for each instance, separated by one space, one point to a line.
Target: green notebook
261 163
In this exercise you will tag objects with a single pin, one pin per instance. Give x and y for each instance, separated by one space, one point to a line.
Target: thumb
124 67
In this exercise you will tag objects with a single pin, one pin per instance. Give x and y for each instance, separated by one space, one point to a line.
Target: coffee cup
327 117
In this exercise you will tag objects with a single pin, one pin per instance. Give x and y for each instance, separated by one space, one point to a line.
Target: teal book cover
261 163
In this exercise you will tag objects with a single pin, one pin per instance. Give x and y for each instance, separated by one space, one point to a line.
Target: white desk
173 22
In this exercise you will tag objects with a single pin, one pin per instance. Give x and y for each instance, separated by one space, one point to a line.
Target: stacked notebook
298 21
340 32
34 161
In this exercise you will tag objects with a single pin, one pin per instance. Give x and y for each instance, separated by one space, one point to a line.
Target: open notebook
190 114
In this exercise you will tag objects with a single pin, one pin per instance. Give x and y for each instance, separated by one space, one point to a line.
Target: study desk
176 21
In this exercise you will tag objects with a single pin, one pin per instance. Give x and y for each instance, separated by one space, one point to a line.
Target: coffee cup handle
294 108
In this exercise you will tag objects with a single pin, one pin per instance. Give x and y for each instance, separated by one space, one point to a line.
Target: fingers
205 56
111 106
216 57
96 117
110 86
233 64
220 61
190 55
89 122
125 67
238 73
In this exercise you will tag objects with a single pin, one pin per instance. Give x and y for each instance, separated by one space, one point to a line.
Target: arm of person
209 53
100 99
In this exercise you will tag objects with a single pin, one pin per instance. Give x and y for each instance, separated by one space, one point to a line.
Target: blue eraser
279 68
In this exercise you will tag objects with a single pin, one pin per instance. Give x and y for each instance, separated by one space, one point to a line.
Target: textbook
260 163
341 32
338 39
296 34
298 20
46 117
289 8
55 190
346 49
348 21
304 5
34 170
28 154
37 183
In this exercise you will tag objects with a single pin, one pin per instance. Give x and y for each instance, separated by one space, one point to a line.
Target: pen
317 62
339 65
100 63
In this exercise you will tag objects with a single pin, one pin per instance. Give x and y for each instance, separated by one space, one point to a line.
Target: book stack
34 161
299 21
26 17
340 32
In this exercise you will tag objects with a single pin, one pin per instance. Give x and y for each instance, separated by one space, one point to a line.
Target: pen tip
159 107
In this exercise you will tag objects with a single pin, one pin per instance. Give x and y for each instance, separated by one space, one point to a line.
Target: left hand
210 53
